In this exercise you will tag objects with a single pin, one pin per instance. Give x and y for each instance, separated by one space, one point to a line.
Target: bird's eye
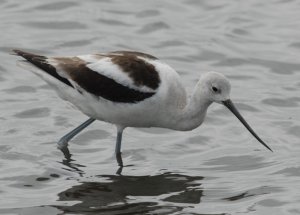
215 89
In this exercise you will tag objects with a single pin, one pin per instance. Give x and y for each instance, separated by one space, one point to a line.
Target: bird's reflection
121 194
69 162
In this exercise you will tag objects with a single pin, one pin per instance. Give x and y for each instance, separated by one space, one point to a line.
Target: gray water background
218 168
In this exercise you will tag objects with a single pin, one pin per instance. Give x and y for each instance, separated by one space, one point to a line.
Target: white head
214 87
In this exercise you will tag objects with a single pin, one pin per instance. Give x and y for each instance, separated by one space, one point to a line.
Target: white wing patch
106 67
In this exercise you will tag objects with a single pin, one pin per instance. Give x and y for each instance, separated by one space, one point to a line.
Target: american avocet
131 89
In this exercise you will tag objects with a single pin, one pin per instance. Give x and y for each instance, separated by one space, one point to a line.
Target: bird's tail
41 67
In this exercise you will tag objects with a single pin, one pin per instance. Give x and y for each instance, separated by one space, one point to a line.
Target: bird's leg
118 146
118 142
63 142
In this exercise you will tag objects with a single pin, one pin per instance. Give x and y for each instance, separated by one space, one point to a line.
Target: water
218 168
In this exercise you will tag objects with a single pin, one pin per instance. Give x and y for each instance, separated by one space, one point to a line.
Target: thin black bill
228 103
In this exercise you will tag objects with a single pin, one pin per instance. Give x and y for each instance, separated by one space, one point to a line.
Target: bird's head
216 88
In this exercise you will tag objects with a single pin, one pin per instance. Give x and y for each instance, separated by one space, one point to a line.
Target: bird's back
128 88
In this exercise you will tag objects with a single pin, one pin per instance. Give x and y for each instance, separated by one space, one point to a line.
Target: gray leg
119 141
63 142
118 147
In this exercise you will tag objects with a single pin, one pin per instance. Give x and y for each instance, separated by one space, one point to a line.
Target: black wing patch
107 88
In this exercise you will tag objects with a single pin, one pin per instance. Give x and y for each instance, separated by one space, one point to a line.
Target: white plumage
131 89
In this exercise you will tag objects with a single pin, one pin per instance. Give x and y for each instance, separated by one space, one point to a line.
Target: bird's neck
193 114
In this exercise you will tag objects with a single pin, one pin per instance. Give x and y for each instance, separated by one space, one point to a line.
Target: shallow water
218 168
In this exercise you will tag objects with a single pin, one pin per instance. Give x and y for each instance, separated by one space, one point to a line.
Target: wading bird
130 89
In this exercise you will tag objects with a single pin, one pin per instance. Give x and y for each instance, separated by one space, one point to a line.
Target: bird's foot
62 143
119 159
120 163
66 153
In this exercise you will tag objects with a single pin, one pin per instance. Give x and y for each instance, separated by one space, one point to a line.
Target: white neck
193 114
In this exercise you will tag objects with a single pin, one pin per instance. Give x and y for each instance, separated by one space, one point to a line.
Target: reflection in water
165 193
120 163
255 43
69 162
121 193
133 194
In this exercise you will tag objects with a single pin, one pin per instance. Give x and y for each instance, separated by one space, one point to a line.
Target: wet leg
63 142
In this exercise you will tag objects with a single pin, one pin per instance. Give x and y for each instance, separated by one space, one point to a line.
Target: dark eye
215 89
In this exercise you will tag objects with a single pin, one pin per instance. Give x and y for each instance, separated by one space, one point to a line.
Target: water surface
218 168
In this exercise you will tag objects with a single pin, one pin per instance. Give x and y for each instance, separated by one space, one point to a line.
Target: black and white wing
125 77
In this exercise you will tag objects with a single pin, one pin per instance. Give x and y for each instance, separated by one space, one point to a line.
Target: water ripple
57 25
55 6
282 102
34 113
112 22
210 170
237 163
152 27
148 13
